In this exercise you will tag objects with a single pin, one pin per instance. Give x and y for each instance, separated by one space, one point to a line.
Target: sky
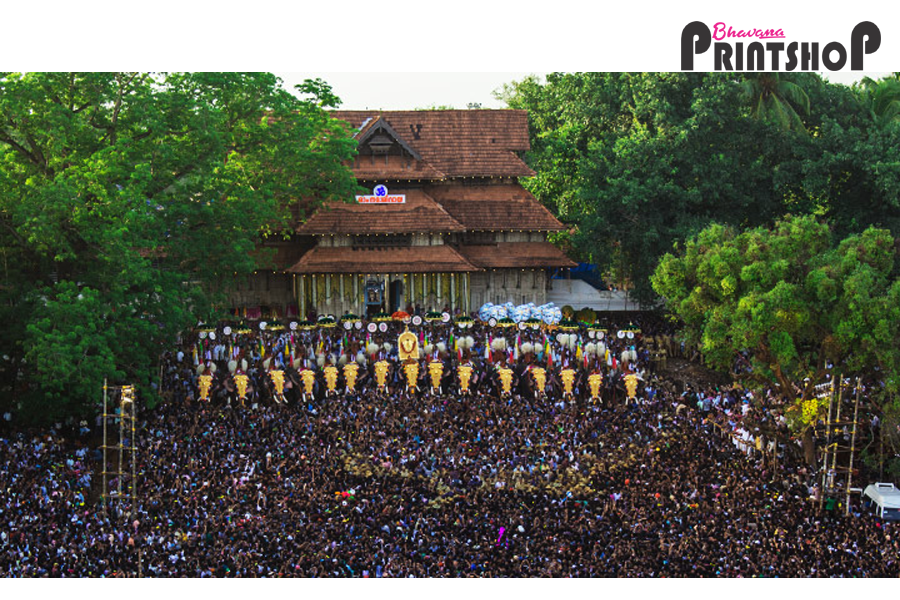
401 91
407 91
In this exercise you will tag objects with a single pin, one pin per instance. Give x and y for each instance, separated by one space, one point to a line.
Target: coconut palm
882 97
774 99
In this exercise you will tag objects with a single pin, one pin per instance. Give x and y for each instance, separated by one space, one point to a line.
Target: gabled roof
456 143
380 124
495 208
420 214
514 255
413 259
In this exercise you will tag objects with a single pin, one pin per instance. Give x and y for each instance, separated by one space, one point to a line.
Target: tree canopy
795 299
126 198
635 162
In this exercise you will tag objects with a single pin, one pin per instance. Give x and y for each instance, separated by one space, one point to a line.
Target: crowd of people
403 482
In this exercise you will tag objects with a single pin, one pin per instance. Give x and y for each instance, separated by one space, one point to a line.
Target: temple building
444 225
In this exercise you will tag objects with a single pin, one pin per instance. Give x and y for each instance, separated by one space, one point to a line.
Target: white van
885 500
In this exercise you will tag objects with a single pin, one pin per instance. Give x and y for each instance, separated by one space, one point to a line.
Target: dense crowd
400 483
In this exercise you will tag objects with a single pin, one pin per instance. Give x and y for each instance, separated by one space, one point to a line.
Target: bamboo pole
827 442
105 443
837 420
121 437
852 450
133 456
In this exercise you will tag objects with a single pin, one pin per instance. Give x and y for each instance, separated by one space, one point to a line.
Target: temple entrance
374 297
396 296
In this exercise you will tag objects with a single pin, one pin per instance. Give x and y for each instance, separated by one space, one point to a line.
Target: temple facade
444 224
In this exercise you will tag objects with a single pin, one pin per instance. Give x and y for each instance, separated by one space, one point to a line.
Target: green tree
126 199
635 161
882 98
689 157
792 299
774 98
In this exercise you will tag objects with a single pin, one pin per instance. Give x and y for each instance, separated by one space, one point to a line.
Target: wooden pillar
356 295
404 301
466 292
340 295
303 297
328 278
452 291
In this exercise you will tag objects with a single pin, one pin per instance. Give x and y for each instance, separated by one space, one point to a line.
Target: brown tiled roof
514 255
420 214
380 168
414 259
495 207
285 253
457 143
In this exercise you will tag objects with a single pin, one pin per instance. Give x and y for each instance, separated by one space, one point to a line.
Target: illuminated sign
380 196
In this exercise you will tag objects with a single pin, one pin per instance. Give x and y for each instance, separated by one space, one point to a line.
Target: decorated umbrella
506 322
382 316
306 325
465 322
534 323
326 322
629 332
433 316
595 331
400 315
568 325
349 320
